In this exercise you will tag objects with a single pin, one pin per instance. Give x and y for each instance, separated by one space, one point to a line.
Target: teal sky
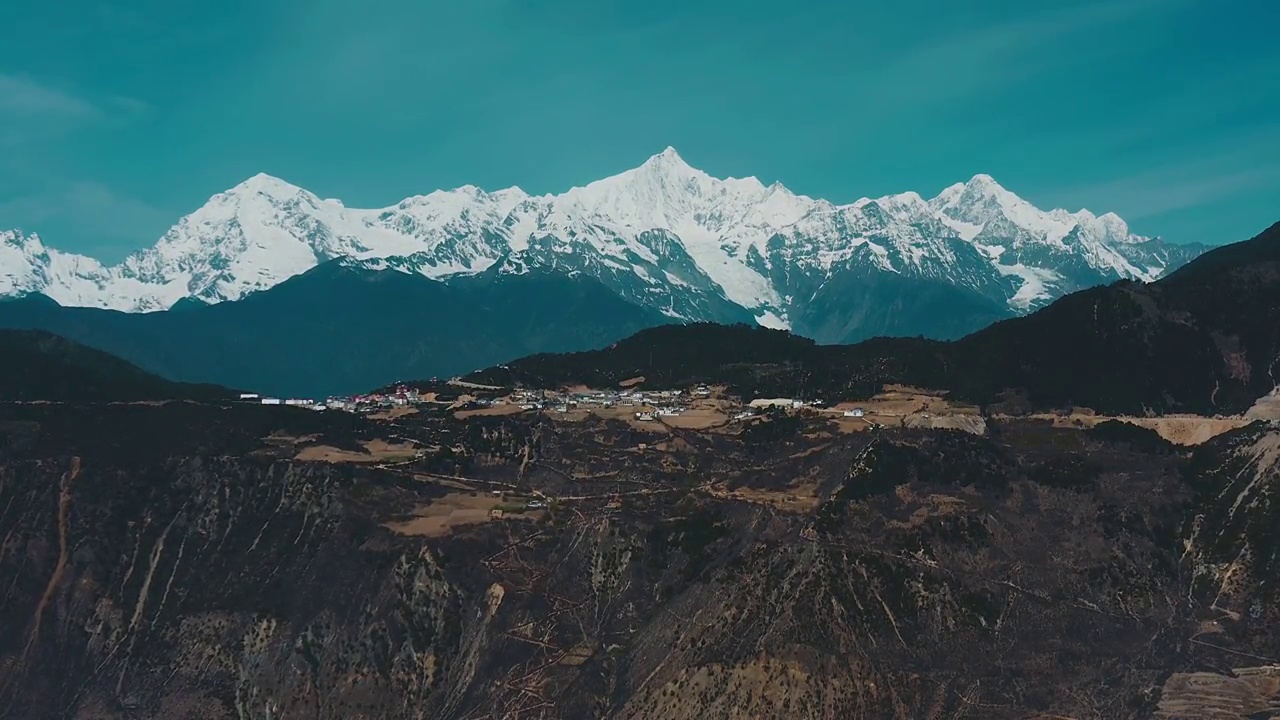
117 118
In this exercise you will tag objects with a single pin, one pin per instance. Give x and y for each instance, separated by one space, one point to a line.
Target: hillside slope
1205 339
40 366
343 329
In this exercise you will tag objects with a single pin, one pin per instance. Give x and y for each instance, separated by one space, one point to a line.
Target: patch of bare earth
491 411
393 413
1177 429
1267 407
462 400
798 498
764 687
474 386
442 515
1252 692
625 413
444 482
375 451
969 423
631 382
902 405
696 418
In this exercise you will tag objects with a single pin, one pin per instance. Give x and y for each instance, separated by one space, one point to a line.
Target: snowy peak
981 200
663 234
28 266
668 161
261 188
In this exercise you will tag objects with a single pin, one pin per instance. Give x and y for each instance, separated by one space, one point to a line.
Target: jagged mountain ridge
663 235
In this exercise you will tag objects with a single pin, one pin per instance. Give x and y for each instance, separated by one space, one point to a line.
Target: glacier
664 235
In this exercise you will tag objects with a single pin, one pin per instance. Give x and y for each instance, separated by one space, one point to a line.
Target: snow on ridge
264 230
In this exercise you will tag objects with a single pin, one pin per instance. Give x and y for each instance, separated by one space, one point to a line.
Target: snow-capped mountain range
664 235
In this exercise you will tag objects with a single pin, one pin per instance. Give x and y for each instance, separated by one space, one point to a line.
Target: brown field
493 410
912 390
1177 429
625 413
572 416
1267 407
799 498
1189 430
375 451
702 414
444 482
955 421
898 402
898 406
695 418
851 424
463 399
476 386
393 413
442 515
1253 692
630 382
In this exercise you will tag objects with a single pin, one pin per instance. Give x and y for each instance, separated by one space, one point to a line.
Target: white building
270 401
856 412
248 396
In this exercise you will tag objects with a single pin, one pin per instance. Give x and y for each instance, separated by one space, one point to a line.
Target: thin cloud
22 97
989 58
116 222
1169 189
30 109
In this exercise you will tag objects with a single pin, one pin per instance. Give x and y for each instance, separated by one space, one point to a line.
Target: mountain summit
663 235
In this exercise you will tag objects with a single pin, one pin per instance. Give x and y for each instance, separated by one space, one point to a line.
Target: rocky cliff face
188 560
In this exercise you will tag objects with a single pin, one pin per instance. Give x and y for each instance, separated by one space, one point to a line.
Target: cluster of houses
664 402
792 404
654 403
400 397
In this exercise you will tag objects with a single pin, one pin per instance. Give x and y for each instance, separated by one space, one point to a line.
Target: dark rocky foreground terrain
179 561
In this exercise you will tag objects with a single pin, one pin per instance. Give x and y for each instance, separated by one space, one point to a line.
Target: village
695 407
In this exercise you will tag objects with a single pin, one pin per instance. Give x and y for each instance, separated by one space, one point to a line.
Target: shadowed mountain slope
40 366
340 329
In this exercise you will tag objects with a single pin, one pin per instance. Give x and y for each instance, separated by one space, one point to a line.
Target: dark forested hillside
36 365
339 329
